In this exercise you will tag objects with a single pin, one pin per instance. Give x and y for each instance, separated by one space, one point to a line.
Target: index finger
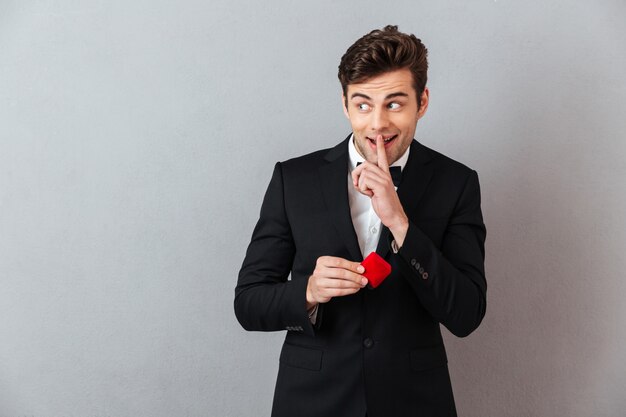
381 154
336 262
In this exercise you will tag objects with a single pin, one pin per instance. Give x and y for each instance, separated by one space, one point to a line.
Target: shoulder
447 174
311 162
304 163
441 159
441 162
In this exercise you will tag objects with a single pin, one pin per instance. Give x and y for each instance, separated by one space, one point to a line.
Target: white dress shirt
366 223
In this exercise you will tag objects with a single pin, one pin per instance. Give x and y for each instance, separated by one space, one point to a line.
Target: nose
379 120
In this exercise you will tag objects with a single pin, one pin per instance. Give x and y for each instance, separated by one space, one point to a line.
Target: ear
423 103
343 105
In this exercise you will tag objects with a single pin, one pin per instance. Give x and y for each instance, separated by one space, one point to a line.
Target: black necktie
396 174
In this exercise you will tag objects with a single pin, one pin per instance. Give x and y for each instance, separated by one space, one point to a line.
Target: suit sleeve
450 281
265 299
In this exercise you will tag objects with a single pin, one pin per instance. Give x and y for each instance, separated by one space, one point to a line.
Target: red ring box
376 269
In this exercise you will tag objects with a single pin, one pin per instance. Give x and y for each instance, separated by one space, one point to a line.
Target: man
350 350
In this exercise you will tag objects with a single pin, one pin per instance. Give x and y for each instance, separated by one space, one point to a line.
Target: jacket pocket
301 357
428 358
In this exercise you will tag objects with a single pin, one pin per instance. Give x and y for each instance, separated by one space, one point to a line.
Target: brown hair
381 51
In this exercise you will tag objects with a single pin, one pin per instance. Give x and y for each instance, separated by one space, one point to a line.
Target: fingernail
363 281
360 268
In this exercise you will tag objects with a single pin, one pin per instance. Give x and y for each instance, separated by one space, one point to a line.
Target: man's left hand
374 181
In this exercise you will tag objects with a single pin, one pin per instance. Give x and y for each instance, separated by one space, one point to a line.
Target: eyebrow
392 95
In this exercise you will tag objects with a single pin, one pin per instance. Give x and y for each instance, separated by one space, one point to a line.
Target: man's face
384 105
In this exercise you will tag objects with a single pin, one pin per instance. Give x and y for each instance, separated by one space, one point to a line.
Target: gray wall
136 142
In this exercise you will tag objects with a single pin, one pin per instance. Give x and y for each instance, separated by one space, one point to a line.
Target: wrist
399 231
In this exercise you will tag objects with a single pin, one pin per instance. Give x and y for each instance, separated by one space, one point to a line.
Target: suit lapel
415 178
334 180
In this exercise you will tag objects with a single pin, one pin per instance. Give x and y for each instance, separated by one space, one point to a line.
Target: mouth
387 139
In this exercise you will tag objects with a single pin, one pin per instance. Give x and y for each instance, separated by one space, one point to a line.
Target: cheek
407 124
357 123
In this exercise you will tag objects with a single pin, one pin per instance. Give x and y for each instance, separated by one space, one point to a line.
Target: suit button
425 275
413 261
421 270
368 343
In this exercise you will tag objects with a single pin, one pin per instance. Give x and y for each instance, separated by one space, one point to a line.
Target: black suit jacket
378 351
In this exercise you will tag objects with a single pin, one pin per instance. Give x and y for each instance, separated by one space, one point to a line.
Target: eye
363 106
393 106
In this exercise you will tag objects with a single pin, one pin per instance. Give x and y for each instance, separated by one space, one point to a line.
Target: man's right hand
333 277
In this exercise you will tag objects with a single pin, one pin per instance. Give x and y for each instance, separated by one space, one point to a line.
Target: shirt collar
355 156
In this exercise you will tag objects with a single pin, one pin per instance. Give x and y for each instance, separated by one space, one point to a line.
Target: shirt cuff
394 246
313 313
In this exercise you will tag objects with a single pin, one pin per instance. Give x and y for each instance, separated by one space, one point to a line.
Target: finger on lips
381 154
